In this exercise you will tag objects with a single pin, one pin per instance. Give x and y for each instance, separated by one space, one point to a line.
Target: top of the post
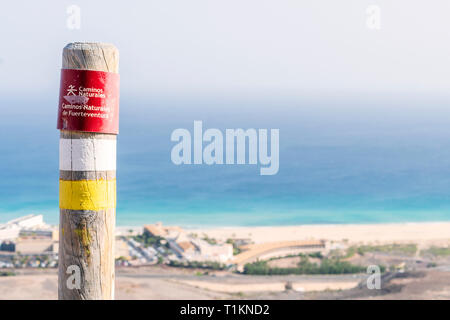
91 56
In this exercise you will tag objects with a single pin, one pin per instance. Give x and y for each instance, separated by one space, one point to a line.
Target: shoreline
208 226
121 223
434 232
438 232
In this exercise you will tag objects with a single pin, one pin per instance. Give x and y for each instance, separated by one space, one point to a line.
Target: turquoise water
342 160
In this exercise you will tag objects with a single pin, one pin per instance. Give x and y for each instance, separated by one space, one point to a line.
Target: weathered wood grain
87 237
87 241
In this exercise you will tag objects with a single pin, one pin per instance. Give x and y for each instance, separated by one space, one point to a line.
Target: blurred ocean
342 160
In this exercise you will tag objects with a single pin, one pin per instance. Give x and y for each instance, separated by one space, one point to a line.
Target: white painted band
78 154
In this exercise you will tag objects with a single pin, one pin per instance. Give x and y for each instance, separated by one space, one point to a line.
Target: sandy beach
423 232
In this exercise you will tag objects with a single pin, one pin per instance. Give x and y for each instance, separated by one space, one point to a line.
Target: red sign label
89 101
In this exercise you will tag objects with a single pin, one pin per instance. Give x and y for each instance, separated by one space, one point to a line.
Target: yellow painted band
87 194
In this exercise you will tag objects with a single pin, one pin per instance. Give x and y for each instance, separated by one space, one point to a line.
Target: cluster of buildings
28 235
176 244
189 247
195 249
36 245
140 254
28 242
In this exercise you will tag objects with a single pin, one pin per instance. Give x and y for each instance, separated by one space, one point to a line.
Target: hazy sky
196 47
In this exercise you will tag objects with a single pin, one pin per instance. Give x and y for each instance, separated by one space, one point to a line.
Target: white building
9 232
30 224
199 250
29 221
214 252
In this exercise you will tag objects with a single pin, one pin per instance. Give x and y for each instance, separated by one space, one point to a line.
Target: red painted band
89 101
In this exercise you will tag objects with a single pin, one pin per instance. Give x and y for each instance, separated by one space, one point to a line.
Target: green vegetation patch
211 241
437 251
317 255
211 265
148 240
327 266
406 249
236 249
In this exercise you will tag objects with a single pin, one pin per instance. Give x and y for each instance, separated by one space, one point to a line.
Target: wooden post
87 181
